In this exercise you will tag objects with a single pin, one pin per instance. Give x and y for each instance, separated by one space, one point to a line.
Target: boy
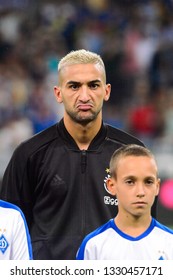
133 234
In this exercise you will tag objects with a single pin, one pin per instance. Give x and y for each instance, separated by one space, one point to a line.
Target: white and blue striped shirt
15 243
108 242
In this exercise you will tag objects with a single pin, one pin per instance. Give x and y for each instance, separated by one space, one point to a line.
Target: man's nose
84 93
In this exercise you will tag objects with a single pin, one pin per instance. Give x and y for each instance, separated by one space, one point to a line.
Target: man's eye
74 86
93 86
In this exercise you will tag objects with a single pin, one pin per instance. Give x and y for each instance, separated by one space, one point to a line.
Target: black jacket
61 189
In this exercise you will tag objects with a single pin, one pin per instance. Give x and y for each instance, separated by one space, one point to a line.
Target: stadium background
135 39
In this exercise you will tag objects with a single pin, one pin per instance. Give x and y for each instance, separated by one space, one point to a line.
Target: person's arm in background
21 244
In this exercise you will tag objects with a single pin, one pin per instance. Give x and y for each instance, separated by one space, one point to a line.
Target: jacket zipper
83 161
83 189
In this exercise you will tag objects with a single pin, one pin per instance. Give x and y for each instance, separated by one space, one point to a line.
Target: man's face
82 90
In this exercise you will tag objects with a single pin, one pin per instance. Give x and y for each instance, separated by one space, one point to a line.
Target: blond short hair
81 57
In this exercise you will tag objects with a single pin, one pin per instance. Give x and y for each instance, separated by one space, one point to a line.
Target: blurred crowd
135 40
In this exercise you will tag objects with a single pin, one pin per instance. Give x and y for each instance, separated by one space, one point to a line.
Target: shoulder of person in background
15 242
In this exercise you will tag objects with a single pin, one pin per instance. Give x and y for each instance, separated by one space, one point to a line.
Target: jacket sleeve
15 187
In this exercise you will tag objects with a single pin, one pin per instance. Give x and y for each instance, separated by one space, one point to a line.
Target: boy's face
136 184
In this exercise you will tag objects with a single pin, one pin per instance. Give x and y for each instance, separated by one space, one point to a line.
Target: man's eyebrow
73 82
94 81
78 83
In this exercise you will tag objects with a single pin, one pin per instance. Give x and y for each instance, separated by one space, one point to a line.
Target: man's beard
83 120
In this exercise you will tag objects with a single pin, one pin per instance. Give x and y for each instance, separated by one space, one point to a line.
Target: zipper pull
83 161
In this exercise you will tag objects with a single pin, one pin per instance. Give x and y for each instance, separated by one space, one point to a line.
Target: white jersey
110 243
15 243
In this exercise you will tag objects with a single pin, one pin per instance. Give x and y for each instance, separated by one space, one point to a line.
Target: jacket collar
95 143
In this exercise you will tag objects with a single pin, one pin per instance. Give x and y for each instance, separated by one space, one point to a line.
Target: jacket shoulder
122 136
38 140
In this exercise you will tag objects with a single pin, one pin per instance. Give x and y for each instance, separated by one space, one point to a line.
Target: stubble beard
83 120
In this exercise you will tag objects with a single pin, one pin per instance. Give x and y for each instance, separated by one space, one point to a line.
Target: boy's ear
158 186
111 186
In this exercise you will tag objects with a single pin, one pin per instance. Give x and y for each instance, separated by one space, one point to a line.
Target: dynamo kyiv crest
3 244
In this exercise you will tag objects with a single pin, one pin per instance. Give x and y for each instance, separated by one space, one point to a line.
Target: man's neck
83 134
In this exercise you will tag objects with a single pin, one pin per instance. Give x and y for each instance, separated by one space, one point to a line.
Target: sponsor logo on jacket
109 199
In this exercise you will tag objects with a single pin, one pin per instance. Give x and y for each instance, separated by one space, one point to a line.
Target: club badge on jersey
3 244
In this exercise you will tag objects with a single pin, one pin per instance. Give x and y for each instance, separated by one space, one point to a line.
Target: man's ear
107 92
111 185
57 93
